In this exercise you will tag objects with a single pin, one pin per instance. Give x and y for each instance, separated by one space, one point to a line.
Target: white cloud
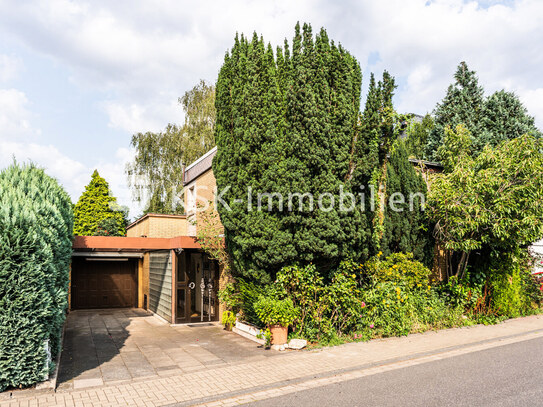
70 173
136 117
19 141
533 100
144 55
9 67
14 116
147 54
140 56
114 173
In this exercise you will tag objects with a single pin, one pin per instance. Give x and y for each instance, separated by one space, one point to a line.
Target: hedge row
36 230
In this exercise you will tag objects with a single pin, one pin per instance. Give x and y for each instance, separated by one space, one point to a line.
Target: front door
197 283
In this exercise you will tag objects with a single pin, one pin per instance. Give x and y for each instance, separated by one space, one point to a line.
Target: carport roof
114 243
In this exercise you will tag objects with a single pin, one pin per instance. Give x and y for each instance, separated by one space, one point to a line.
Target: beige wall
197 192
139 229
167 227
154 225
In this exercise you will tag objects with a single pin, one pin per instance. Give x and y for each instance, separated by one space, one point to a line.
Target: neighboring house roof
199 166
122 244
438 167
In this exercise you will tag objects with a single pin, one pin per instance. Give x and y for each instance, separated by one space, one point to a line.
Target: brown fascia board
116 243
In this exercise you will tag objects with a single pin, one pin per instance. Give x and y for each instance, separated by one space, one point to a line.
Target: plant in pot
277 315
228 319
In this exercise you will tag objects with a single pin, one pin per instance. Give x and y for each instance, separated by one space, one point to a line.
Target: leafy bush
467 292
398 268
108 227
228 318
326 308
513 290
272 311
507 297
240 297
398 299
36 223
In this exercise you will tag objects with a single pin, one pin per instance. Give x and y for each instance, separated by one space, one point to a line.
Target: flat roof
118 243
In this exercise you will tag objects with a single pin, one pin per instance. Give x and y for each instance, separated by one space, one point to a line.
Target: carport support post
174 281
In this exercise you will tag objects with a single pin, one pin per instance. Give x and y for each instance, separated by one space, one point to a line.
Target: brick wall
155 225
204 189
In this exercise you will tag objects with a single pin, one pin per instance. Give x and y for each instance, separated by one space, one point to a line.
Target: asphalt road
510 375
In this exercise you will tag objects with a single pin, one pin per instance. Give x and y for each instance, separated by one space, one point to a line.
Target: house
159 266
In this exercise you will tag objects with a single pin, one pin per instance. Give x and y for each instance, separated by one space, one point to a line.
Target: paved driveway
108 346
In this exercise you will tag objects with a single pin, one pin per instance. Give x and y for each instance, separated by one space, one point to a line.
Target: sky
77 79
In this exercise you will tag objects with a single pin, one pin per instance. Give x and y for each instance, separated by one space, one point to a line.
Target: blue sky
77 79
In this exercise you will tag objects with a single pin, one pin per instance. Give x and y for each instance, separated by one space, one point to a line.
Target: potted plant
228 319
277 315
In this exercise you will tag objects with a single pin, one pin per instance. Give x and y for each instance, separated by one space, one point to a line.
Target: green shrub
343 296
228 318
240 296
36 224
327 308
399 299
305 287
507 296
230 298
387 311
398 268
466 293
272 311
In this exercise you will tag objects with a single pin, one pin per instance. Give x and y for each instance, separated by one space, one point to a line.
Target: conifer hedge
289 128
285 123
36 228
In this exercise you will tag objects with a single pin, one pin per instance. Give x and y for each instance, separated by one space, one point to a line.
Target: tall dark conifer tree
489 121
406 226
285 124
462 104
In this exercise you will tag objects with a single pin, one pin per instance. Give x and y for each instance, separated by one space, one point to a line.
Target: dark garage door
103 284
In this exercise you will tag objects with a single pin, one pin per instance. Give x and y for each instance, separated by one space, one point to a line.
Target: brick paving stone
224 379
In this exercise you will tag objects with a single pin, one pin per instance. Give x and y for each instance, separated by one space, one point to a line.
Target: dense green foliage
400 298
272 311
493 200
498 285
503 118
241 297
108 227
285 123
406 225
290 136
383 297
489 121
94 206
156 174
36 222
417 134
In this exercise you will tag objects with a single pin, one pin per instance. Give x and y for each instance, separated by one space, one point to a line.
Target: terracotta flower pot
279 334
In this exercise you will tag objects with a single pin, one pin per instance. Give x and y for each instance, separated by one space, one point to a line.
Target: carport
127 272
